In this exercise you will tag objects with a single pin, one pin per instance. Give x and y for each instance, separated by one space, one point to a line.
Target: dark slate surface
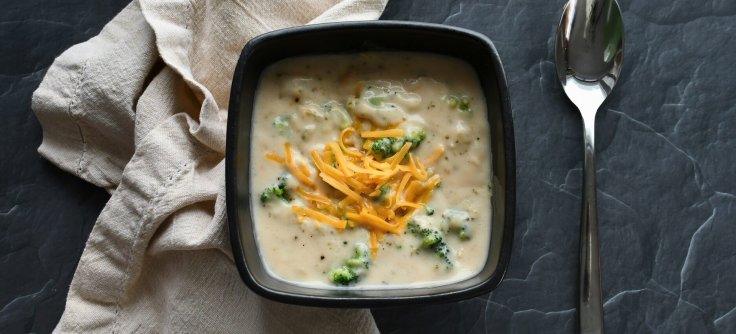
666 154
45 214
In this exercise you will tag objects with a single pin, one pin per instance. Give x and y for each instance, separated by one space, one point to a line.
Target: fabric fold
140 110
85 103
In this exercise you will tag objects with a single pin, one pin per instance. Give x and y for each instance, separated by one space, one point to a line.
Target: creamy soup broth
307 102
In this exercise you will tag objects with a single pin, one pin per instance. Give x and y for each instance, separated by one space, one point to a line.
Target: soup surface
371 170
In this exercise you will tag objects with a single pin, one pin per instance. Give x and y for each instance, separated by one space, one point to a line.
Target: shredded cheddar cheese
313 197
436 155
320 217
341 142
382 133
294 170
416 172
380 195
372 220
275 158
396 158
304 169
340 186
409 204
374 244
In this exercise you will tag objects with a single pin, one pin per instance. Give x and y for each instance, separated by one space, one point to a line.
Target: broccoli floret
443 252
432 240
354 267
267 195
429 210
361 257
465 105
383 195
385 189
338 114
376 100
383 147
461 103
281 123
277 190
458 221
416 137
464 233
396 144
386 147
355 263
343 275
452 101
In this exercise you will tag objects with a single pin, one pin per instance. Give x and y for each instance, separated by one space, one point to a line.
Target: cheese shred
382 133
318 216
304 179
378 195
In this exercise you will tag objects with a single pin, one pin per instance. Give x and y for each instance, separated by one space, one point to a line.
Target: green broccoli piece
386 147
461 103
376 100
458 221
396 144
429 210
355 263
277 190
383 147
465 105
384 190
452 101
281 123
442 251
432 240
416 137
338 113
361 257
464 233
354 267
343 275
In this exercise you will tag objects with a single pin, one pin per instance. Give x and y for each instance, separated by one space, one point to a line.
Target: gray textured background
665 157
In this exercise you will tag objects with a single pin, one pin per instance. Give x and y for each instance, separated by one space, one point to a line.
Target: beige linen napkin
140 110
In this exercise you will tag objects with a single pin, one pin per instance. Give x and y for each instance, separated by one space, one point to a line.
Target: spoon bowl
589 50
588 57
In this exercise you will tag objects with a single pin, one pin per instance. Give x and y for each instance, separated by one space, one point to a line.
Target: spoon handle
591 306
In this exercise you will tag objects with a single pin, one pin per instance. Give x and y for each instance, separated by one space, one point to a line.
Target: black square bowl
351 37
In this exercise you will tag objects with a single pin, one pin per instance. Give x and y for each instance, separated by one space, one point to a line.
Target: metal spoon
589 55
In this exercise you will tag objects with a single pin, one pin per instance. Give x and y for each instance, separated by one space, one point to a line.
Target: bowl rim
509 160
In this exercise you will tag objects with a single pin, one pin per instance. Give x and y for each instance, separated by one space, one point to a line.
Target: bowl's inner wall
268 50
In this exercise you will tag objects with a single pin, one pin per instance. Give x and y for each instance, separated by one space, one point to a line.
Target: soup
371 170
